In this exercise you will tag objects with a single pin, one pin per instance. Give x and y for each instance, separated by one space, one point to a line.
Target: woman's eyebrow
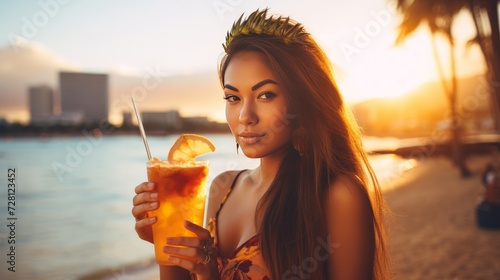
228 86
255 87
265 82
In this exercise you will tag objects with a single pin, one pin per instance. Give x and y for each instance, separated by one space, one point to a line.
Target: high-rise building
41 103
127 119
167 119
85 93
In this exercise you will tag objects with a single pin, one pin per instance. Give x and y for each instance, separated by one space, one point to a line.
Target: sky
185 38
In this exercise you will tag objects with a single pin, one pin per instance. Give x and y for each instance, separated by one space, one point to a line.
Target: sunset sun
393 72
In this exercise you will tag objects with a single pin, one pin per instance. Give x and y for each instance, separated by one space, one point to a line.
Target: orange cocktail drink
181 187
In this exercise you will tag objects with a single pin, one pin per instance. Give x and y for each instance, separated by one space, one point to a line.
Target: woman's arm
350 227
173 273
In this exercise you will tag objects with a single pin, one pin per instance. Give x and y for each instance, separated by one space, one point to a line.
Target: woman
312 209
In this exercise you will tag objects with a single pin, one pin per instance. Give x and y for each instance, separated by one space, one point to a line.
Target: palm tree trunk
439 65
492 9
451 92
456 124
487 45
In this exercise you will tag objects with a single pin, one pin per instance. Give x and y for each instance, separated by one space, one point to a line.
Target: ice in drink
181 188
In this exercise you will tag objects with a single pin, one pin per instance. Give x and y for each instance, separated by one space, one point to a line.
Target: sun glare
388 71
392 71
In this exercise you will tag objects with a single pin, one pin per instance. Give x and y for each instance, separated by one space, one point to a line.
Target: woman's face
256 106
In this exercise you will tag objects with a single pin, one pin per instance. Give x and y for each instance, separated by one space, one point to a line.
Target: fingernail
153 195
167 249
152 219
151 185
170 240
188 223
173 259
153 205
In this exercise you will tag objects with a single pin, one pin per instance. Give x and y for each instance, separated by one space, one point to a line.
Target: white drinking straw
141 128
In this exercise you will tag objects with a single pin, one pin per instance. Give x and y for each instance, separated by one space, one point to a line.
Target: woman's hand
196 255
145 200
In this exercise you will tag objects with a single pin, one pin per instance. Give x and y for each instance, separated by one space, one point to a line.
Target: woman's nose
248 115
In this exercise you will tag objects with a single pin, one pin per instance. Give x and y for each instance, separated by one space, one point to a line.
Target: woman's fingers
201 232
187 252
190 258
140 211
146 222
144 197
185 241
189 247
145 200
144 187
193 253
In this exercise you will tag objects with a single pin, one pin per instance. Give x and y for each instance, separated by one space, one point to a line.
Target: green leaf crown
257 23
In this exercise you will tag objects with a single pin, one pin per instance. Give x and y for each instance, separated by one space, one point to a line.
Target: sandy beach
433 232
433 228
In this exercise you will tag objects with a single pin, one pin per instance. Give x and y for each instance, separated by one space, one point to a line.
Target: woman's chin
251 151
251 154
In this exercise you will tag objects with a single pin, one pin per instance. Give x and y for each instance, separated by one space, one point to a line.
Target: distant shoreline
113 134
83 131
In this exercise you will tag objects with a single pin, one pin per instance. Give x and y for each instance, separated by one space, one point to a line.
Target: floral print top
246 261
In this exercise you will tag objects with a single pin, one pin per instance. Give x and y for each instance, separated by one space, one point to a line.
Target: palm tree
438 15
486 21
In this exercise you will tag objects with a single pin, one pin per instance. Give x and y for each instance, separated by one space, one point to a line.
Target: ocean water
73 199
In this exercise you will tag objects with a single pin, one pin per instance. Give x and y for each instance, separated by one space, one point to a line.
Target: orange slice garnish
189 146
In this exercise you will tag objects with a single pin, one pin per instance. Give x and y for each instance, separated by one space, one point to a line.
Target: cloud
23 66
31 63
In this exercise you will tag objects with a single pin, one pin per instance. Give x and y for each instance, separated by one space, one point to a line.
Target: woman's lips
250 137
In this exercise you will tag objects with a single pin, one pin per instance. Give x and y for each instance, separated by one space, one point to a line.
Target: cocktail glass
181 187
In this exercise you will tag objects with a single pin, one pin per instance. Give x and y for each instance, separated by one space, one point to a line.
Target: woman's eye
267 95
231 98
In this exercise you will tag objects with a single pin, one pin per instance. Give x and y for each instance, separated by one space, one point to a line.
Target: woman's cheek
232 120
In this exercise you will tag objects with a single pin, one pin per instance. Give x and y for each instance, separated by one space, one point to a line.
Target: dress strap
229 191
236 178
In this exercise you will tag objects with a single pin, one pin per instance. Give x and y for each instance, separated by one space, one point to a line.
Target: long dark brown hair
293 209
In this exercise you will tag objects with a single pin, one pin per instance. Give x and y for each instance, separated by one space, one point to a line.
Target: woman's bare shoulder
347 189
218 190
222 182
348 204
